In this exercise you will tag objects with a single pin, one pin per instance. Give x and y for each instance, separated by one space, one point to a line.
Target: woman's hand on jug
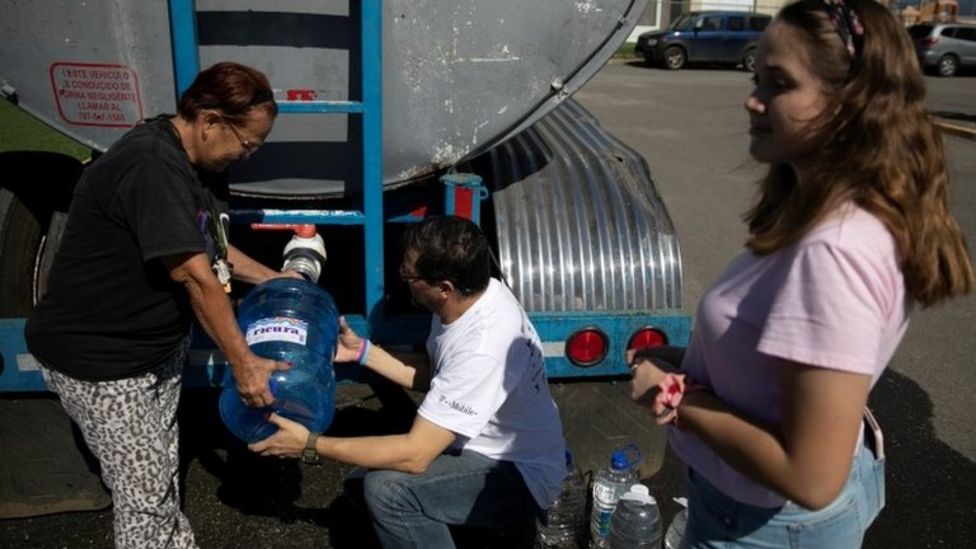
348 344
251 376
287 442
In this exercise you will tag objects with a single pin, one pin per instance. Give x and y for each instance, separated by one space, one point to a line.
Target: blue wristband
363 353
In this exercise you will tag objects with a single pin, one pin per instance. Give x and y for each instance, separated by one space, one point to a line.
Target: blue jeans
716 521
457 489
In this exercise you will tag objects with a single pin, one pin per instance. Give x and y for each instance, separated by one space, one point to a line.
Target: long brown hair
229 87
878 148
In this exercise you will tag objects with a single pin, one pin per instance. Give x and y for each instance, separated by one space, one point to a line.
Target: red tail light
647 337
586 347
930 41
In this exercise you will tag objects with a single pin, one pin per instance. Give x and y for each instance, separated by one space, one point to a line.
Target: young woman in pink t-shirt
850 230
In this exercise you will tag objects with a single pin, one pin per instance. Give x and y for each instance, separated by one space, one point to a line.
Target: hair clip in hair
847 24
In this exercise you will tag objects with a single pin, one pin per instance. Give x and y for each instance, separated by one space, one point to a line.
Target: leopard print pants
130 425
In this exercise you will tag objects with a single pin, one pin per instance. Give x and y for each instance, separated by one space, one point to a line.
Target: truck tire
20 236
599 417
28 237
45 253
51 469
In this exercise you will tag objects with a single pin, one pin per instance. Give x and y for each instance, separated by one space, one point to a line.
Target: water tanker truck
390 111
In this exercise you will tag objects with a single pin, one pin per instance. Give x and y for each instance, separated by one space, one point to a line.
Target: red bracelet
675 387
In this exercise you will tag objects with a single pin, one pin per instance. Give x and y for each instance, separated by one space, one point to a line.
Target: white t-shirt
489 387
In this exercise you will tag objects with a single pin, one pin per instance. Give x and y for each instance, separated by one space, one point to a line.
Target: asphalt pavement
951 102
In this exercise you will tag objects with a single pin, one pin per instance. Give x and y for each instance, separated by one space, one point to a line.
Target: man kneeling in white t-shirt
486 448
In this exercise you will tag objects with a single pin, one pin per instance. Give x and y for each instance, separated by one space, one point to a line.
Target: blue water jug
293 321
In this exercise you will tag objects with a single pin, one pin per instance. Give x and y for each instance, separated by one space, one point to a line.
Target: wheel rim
749 63
947 66
674 58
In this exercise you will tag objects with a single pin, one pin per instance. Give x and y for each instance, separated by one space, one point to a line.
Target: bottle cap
639 493
625 458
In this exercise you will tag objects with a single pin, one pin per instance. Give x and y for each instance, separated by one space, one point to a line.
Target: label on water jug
290 330
603 523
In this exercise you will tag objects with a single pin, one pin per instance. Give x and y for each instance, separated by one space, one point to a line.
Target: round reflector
647 337
586 347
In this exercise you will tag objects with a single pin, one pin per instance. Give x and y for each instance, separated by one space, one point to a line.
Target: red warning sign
91 94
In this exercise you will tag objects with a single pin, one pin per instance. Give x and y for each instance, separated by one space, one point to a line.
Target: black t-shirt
111 310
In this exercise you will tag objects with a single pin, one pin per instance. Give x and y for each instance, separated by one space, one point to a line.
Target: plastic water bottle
608 485
676 530
565 519
636 522
293 321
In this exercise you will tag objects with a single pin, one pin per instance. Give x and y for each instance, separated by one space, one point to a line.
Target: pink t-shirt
835 299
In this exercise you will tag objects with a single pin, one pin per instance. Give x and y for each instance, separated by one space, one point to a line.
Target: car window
681 23
919 31
711 23
758 24
966 33
737 23
948 32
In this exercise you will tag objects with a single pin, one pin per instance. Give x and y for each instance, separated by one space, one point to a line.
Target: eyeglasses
404 276
249 148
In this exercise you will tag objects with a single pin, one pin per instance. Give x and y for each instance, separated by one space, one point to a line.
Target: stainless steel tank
459 76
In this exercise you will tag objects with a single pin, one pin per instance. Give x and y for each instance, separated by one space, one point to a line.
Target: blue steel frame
18 370
206 366
186 64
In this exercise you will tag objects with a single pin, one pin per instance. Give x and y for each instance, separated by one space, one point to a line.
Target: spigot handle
304 230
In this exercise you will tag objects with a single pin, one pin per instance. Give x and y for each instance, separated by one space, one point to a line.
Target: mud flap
45 468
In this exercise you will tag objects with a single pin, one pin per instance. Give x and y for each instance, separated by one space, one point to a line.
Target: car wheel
674 58
948 65
749 60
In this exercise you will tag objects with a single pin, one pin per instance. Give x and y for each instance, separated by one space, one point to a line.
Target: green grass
625 51
20 131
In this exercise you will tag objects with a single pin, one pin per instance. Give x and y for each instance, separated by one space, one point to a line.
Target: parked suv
944 47
707 36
